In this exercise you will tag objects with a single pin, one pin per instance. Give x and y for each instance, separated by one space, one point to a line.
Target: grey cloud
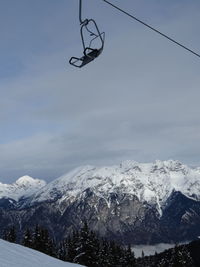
139 100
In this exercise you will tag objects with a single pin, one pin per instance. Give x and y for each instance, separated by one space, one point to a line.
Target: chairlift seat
90 52
89 55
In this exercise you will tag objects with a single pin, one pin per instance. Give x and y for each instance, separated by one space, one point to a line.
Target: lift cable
153 29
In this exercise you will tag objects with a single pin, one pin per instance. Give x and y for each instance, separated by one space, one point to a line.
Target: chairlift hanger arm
85 21
80 12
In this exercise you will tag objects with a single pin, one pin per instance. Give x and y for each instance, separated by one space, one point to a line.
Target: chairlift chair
89 51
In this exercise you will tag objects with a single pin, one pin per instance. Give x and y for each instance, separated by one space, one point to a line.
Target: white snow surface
23 187
13 255
150 182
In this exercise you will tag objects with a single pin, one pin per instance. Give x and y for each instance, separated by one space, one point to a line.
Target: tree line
87 248
83 247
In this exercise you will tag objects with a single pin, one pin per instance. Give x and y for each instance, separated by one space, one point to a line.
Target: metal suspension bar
80 14
80 11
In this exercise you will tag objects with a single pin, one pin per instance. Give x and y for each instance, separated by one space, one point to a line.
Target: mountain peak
172 164
25 179
23 187
150 182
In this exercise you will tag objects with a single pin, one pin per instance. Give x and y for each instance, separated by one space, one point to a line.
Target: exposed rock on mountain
133 202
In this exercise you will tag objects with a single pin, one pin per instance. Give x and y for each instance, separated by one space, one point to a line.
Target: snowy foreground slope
13 255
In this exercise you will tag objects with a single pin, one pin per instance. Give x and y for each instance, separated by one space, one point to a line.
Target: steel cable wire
152 28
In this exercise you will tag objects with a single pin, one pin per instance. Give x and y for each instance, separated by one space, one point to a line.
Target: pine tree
72 245
62 251
181 257
104 254
37 244
47 242
177 258
129 257
115 254
10 235
142 254
86 251
42 241
94 246
27 239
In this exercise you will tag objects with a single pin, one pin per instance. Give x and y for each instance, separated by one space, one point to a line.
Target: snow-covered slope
23 187
12 255
150 182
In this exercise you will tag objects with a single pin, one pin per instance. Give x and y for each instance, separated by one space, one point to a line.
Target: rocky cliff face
133 203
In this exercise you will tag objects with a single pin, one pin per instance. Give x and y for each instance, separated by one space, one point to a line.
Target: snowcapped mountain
13 255
24 187
149 182
138 203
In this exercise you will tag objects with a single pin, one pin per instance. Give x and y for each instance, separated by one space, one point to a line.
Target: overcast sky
139 100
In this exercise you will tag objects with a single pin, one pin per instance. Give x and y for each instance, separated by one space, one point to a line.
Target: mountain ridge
149 182
137 203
